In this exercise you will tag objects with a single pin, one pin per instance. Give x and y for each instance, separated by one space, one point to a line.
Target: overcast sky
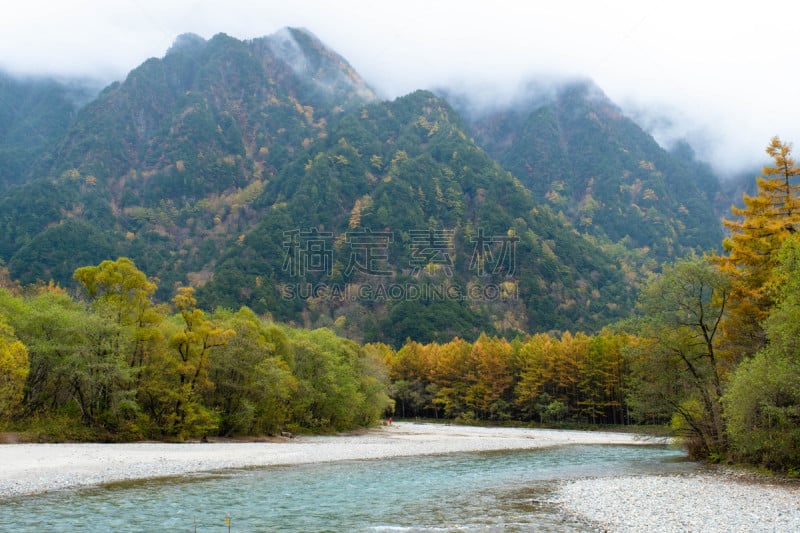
725 76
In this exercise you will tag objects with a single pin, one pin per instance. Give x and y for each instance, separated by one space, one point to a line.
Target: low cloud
724 81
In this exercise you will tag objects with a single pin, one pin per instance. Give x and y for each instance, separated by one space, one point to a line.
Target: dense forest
241 239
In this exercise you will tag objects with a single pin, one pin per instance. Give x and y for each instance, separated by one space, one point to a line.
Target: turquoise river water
497 491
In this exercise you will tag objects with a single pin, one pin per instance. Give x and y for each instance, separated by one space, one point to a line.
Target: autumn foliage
711 349
539 378
751 251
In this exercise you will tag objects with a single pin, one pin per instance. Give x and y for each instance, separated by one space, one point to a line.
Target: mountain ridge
199 164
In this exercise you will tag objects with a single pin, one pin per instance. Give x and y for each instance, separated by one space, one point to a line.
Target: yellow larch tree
756 235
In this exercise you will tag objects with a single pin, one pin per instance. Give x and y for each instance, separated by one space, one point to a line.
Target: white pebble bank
692 502
32 468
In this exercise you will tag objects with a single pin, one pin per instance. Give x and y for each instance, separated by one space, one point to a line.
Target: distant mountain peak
201 164
311 59
186 42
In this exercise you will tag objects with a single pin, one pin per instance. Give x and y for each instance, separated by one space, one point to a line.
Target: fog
724 79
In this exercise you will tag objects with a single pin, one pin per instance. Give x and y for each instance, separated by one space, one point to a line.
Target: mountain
406 171
156 163
229 111
267 173
578 153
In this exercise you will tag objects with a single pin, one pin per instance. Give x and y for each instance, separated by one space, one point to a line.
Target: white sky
725 76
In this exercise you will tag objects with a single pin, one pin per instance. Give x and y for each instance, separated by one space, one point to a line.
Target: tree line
719 333
540 378
113 365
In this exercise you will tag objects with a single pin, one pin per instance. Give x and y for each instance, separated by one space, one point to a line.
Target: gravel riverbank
713 502
32 468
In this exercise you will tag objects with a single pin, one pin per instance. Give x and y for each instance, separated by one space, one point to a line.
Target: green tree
253 385
98 376
762 403
339 385
49 326
75 372
123 294
677 363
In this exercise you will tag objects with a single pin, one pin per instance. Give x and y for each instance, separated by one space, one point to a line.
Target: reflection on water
498 491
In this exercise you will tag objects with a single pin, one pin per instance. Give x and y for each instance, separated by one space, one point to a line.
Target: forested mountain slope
407 172
160 165
267 173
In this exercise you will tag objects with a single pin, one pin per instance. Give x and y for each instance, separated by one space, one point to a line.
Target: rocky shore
707 502
32 468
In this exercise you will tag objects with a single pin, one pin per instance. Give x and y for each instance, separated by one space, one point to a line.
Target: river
489 491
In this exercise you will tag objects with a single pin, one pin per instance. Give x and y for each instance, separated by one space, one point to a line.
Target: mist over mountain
578 153
216 164
35 112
